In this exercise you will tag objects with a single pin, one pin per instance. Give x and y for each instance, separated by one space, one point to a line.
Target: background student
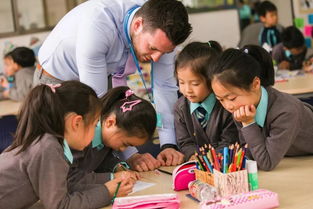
36 166
272 123
199 118
19 66
292 52
125 120
269 35
267 32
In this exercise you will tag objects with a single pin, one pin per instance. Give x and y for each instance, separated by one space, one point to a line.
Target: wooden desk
299 86
291 179
9 107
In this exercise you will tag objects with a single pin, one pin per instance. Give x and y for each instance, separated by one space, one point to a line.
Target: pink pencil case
167 201
258 199
183 174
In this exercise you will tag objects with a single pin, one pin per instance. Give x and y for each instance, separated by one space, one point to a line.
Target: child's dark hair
292 37
267 74
44 111
264 7
236 68
140 121
23 56
198 56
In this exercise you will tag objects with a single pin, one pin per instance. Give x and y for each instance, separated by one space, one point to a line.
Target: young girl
126 120
272 123
36 166
216 127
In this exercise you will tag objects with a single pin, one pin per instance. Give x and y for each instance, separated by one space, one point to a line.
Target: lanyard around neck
132 51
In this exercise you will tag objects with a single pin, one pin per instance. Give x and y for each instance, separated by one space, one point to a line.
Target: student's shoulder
46 144
280 102
181 103
25 72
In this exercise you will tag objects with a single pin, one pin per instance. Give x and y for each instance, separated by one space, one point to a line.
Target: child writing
292 52
126 120
272 123
35 167
199 118
19 64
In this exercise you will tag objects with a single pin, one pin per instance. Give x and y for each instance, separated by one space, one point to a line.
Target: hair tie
127 106
128 93
209 44
246 51
53 86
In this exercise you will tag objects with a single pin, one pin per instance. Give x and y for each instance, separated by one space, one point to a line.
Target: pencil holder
205 177
226 183
231 183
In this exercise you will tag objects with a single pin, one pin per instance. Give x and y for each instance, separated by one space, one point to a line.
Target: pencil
163 171
116 191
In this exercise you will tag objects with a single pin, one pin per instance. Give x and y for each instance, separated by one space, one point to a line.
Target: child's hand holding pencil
132 176
120 186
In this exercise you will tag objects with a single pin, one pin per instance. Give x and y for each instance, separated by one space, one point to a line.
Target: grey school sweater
220 131
41 173
287 131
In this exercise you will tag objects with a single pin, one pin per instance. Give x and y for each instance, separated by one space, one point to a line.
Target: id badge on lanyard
132 51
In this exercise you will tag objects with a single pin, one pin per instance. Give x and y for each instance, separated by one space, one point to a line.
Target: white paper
141 185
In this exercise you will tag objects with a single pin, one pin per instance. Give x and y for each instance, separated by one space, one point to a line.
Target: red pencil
216 164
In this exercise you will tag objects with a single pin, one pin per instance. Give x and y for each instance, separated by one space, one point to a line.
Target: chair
8 125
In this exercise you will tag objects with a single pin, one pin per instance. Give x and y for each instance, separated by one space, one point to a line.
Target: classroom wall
304 20
222 26
284 12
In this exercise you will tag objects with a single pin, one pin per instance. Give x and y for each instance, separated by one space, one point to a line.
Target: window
22 17
6 17
205 5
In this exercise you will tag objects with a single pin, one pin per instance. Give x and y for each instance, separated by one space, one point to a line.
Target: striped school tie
201 115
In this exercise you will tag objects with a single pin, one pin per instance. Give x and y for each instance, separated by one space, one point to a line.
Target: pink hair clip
128 93
53 86
127 106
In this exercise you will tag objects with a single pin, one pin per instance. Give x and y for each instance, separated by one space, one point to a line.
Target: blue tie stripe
201 116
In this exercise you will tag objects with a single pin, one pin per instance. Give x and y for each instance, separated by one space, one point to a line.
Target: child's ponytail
267 76
45 108
40 113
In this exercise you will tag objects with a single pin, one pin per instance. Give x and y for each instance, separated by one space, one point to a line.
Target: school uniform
269 36
283 127
279 54
257 34
22 84
40 173
94 158
220 130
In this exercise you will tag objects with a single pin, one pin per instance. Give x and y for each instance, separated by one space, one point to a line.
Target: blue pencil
225 162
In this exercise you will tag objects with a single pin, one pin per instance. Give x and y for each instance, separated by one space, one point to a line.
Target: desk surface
299 85
9 107
292 180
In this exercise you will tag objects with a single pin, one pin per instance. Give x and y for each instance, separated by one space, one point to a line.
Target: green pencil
116 191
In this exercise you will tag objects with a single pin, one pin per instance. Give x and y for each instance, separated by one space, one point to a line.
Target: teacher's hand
170 157
143 162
